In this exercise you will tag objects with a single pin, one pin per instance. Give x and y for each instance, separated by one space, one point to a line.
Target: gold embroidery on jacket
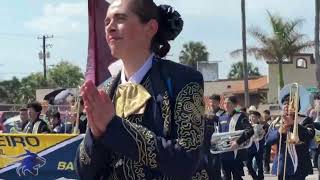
84 158
133 170
166 113
202 175
145 141
188 112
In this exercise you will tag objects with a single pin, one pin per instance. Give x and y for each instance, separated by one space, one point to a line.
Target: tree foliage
192 53
236 71
16 91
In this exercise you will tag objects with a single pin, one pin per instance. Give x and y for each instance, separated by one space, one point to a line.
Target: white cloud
60 18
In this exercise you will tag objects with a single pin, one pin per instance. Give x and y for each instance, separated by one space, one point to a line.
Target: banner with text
38 156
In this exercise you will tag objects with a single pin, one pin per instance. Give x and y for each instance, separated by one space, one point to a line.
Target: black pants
233 168
293 177
259 158
315 157
266 157
214 165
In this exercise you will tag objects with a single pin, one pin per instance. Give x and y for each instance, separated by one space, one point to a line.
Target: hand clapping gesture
99 108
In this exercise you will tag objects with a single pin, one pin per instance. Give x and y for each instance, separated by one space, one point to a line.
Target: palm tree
192 53
284 42
244 53
236 71
316 40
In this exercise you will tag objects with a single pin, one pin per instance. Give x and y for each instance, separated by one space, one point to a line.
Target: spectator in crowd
57 126
24 118
35 125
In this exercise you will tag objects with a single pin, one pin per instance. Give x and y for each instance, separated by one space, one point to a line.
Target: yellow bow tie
131 99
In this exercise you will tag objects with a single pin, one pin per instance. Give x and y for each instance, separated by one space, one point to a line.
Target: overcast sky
215 23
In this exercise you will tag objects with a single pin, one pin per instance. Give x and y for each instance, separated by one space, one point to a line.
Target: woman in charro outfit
148 123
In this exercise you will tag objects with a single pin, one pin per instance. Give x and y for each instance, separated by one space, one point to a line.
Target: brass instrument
299 102
317 109
221 142
259 132
76 108
293 137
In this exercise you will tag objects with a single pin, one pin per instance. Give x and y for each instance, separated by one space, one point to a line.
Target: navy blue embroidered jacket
163 143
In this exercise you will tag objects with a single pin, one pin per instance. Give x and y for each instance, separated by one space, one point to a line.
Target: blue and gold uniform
256 151
232 162
164 142
298 164
213 163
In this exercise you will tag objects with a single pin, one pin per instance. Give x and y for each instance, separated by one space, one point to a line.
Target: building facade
300 68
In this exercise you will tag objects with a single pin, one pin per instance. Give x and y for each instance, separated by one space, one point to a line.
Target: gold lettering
69 166
61 165
2 152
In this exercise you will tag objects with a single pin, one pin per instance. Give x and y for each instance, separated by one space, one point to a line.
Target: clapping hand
99 108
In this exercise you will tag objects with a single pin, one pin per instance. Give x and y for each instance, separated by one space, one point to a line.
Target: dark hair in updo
169 20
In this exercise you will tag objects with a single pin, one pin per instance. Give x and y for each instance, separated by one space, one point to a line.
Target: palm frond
258 34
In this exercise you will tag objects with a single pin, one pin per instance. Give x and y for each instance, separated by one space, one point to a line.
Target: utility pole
316 40
244 53
44 55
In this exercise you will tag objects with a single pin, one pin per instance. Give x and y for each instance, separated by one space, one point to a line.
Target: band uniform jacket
242 124
39 126
298 158
212 161
163 143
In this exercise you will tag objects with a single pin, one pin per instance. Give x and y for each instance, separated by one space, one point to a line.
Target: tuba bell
221 142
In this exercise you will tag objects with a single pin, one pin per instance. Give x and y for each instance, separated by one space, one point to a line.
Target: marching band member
256 149
298 163
213 164
35 124
148 124
232 162
215 101
267 148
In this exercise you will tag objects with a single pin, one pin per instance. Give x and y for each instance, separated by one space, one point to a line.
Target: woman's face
125 33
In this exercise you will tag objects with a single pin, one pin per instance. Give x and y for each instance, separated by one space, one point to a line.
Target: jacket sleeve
273 136
173 157
248 130
44 128
92 159
306 130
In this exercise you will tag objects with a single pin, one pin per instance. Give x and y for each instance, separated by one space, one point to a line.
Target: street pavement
272 177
